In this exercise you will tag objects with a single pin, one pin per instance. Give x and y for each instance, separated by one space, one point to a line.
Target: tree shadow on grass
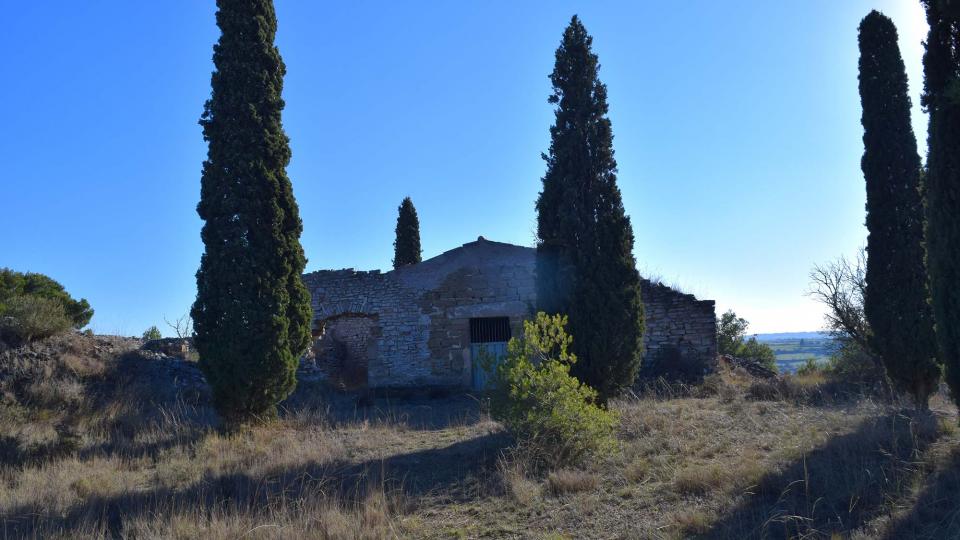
936 512
835 488
417 409
405 476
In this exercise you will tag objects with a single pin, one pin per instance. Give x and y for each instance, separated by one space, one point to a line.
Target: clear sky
736 131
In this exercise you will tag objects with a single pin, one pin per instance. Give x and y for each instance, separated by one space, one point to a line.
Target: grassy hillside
101 439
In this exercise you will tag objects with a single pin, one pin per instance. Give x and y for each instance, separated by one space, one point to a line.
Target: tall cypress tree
585 263
895 302
941 98
406 246
252 313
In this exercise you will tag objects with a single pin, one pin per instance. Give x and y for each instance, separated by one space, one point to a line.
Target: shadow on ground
936 512
419 409
835 488
449 470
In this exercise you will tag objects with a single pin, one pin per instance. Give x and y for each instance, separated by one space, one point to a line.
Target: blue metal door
485 355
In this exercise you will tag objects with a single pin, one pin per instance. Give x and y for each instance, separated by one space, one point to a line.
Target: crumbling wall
411 325
396 350
345 347
421 329
680 329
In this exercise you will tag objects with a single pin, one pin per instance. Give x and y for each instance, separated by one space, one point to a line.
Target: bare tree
840 286
182 326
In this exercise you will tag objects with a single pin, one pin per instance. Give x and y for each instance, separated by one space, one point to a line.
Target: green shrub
28 317
547 409
14 284
810 367
851 363
761 352
730 332
151 334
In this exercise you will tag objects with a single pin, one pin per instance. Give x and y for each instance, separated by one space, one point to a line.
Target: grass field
793 352
96 446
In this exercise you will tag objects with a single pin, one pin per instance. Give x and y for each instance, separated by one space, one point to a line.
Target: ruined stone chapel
425 324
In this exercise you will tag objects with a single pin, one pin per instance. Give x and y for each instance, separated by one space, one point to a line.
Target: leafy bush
536 398
852 363
730 332
761 352
28 317
810 367
151 334
849 363
16 284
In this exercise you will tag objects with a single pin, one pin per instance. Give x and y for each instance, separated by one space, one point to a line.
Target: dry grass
98 448
566 481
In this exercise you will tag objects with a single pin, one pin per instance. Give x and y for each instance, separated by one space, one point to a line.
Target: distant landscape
794 348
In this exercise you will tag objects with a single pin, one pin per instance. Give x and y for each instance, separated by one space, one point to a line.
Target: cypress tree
406 246
941 98
585 263
895 300
252 312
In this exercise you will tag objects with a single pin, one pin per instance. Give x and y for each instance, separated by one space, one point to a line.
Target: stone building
425 324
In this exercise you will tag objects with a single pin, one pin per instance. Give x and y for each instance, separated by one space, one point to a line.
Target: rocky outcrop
751 366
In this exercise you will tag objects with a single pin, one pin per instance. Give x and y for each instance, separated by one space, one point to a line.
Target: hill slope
106 439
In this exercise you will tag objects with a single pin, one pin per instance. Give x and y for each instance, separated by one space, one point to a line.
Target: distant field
793 350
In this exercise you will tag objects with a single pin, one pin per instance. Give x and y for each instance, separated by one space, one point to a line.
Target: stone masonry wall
397 334
346 347
421 335
411 325
677 322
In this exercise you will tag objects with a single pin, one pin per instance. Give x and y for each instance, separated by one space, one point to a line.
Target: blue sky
736 131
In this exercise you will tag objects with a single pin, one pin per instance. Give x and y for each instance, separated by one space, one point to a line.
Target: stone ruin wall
677 322
394 348
417 324
504 291
410 327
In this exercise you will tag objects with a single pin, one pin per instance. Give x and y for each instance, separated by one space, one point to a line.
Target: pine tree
895 302
941 98
252 313
406 246
585 263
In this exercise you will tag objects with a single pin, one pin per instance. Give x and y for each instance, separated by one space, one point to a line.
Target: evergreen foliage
252 313
14 284
941 98
406 246
30 317
585 263
731 339
895 300
152 333
546 408
757 351
730 332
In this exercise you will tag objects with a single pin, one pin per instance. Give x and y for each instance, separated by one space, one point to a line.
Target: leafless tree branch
840 286
182 326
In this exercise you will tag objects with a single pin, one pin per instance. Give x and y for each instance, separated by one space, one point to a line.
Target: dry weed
566 481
